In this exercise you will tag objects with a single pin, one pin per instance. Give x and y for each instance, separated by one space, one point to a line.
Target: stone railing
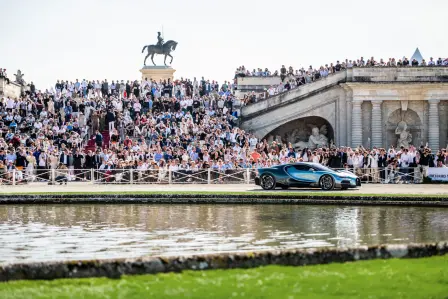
398 74
256 83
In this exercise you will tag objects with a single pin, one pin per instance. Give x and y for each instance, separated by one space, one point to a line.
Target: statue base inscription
157 73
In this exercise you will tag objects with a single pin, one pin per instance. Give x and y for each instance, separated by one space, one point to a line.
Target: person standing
89 163
110 120
42 165
77 164
382 164
98 139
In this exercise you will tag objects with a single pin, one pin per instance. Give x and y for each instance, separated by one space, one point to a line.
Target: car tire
267 181
326 182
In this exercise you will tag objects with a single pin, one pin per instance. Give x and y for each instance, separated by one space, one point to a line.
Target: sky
103 39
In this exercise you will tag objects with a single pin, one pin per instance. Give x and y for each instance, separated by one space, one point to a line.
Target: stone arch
299 130
413 122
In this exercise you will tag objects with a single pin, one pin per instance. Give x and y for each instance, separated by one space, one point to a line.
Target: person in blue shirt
13 125
158 155
11 156
291 153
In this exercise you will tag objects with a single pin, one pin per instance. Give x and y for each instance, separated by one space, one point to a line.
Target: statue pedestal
157 73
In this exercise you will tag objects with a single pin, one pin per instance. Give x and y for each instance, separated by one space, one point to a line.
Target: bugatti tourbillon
303 174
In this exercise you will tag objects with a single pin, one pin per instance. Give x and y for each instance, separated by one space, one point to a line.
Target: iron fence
386 175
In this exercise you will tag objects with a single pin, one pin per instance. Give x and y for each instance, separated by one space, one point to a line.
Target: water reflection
45 232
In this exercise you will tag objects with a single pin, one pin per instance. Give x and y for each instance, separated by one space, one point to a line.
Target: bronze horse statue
164 50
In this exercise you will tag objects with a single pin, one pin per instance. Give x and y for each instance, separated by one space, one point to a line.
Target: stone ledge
114 268
255 198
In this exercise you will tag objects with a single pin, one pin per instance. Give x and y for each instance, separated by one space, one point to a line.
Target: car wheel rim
267 182
327 182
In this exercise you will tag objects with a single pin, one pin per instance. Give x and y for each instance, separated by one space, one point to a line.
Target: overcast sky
103 39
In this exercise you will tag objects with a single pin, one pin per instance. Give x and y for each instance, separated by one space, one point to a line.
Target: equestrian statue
160 48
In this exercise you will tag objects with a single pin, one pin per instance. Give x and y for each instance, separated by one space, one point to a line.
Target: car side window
302 167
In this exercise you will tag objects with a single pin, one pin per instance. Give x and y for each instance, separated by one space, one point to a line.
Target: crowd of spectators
291 79
183 127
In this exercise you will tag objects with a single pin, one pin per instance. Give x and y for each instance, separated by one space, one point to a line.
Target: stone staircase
91 143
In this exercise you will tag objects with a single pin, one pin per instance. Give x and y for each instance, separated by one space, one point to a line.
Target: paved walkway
88 187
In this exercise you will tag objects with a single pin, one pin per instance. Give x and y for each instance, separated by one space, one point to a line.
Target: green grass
290 193
394 278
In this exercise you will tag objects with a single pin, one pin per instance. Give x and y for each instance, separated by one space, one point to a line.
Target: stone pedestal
157 73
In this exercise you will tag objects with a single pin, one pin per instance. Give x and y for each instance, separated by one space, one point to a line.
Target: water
70 232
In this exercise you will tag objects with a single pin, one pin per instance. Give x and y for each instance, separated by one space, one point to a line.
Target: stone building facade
361 106
13 89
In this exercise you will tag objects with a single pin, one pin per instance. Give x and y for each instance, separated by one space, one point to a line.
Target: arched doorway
298 132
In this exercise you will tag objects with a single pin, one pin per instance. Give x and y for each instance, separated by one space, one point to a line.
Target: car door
301 173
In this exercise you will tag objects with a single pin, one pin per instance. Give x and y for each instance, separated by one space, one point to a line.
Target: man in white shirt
38 125
10 104
405 161
252 142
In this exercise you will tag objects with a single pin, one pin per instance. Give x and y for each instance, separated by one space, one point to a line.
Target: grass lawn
394 278
258 193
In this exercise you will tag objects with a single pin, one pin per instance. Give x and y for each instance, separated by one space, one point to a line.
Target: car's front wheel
267 181
326 182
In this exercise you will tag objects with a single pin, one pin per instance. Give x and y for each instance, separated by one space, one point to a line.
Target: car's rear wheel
267 181
326 182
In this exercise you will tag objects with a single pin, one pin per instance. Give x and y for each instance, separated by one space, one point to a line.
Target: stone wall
114 268
10 90
255 198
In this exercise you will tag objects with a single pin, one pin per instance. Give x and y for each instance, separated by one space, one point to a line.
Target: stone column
356 123
377 124
433 122
348 120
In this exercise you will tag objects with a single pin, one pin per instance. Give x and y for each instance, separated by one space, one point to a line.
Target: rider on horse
159 40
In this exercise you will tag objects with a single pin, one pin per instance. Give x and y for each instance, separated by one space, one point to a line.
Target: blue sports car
304 174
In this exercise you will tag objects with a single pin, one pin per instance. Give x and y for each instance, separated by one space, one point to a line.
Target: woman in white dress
163 170
53 161
29 171
50 106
